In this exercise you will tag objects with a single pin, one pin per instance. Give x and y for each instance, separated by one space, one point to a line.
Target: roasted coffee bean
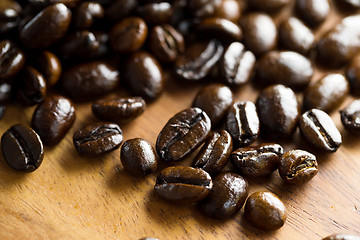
228 195
268 5
97 138
53 118
10 12
295 36
203 8
5 92
47 27
215 153
89 80
119 109
319 129
265 210
48 64
237 65
166 43
22 148
119 9
2 110
156 13
86 13
183 133
258 160
144 75
230 10
242 123
183 184
284 67
198 60
350 116
138 157
327 93
220 28
260 33
36 4
12 60
313 12
353 76
298 167
342 237
278 111
335 49
128 35
215 100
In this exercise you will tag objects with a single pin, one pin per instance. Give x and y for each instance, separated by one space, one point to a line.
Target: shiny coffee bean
260 33
47 27
22 148
265 210
198 60
298 167
138 157
284 67
183 184
342 237
353 76
156 13
319 129
230 10
258 160
215 153
12 60
268 5
228 195
350 116
278 111
237 65
97 138
89 80
220 28
242 122
5 92
203 8
128 35
327 93
144 75
86 13
53 118
313 12
118 9
10 12
215 99
48 64
182 134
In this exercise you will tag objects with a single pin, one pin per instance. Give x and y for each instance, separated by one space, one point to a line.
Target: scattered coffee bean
118 9
220 28
12 60
48 64
350 116
342 237
268 5
5 92
86 13
156 13
313 12
203 8
230 10
353 76
10 13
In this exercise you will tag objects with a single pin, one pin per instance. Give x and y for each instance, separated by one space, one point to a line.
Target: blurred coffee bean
48 64
313 12
342 237
2 110
10 12
219 28
119 9
350 116
268 5
203 8
86 13
12 60
352 4
5 92
156 13
353 76
230 10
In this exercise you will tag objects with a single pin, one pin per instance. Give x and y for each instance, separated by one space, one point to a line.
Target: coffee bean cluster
54 53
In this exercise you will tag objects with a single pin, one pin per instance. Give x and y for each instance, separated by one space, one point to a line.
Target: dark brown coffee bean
2 110
278 111
353 76
215 153
220 28
144 75
318 129
327 93
89 80
10 12
97 138
295 36
350 116
237 65
183 184
22 148
203 8
38 4
119 109
313 12
53 118
260 33
228 195
258 160
5 92
183 133
265 210
12 60
86 13
47 27
342 237
287 68
138 157
48 64
268 5
215 100
198 60
156 13
230 10
119 9
298 167
242 123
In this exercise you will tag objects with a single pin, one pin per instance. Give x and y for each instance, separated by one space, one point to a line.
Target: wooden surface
70 197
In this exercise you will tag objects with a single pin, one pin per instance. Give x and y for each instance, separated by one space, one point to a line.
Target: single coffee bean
353 76
228 195
203 8
284 67
319 129
258 160
265 210
118 9
48 64
243 123
313 12
327 93
342 237
182 134
97 138
215 153
47 27
5 92
237 65
230 10
278 111
53 118
10 12
183 184
22 148
268 5
86 13
350 116
12 60
215 99
298 167
156 13
220 28
138 157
